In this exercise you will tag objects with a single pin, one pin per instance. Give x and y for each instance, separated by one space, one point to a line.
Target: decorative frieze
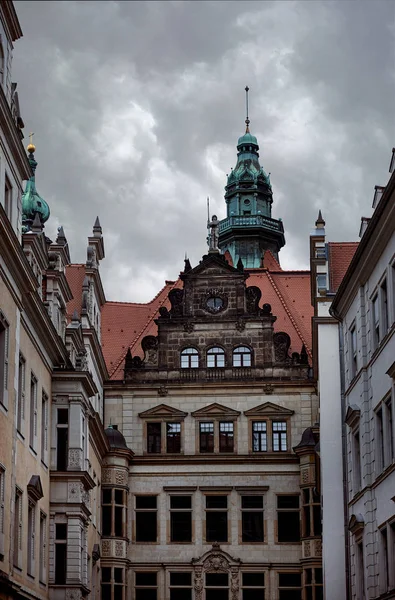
73 594
75 459
113 548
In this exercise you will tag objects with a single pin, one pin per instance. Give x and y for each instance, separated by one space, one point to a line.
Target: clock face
214 303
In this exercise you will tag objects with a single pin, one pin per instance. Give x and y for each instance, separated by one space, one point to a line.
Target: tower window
215 357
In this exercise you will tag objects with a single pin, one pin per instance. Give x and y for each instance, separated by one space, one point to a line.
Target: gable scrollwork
282 342
149 345
253 296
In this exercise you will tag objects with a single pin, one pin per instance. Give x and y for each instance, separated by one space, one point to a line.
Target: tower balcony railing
250 221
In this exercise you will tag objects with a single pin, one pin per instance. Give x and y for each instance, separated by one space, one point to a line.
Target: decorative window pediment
216 410
34 488
163 411
353 415
268 409
216 560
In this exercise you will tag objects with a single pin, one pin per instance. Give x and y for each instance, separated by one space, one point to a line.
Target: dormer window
242 356
215 357
189 358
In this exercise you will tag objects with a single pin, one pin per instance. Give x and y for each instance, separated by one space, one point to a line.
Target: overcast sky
137 107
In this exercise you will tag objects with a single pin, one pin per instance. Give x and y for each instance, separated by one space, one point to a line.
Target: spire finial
247 121
31 147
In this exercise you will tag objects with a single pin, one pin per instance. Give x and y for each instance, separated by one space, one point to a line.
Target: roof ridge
142 303
287 310
141 331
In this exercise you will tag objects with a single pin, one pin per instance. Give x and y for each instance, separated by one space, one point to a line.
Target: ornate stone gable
216 561
216 410
268 409
162 411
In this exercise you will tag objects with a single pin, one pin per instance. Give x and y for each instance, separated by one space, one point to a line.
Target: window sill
289 543
181 543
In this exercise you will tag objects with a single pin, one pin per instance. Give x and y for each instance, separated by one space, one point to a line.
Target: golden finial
31 147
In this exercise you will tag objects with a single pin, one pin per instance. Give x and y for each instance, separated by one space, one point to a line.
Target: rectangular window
43 547
146 586
253 586
180 519
380 440
44 428
18 529
33 412
288 519
21 394
356 456
180 586
252 524
390 428
279 436
384 567
206 437
313 584
113 512
384 307
62 439
216 518
217 586
8 198
226 437
2 510
353 351
360 571
173 438
146 518
259 436
290 586
311 520
60 553
376 321
154 438
31 534
321 282
4 352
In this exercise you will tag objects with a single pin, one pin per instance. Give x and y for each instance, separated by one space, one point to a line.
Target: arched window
242 356
216 357
189 358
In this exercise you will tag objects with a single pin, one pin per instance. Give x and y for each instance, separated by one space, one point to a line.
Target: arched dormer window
215 357
242 356
189 358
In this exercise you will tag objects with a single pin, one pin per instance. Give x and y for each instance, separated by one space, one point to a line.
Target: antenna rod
208 210
247 121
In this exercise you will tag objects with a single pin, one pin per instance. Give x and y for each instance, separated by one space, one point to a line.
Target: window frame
4 359
353 344
113 583
254 417
289 587
33 412
212 351
309 514
180 510
18 527
141 511
260 510
288 510
31 537
146 587
251 587
211 494
237 352
114 511
188 353
182 588
2 509
163 420
216 421
42 573
21 398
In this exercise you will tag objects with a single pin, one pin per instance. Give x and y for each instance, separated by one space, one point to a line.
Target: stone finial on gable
95 243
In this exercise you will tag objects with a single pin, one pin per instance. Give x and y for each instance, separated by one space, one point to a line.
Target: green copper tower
249 228
32 203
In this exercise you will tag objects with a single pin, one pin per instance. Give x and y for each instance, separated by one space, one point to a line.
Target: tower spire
247 121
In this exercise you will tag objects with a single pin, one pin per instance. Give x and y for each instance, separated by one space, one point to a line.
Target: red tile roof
124 324
75 275
340 256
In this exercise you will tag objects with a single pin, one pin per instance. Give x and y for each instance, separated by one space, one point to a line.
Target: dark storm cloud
137 107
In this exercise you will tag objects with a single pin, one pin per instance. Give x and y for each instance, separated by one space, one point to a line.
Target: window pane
253 594
226 438
290 579
118 521
180 501
106 520
146 578
206 437
254 579
216 579
60 563
180 594
106 591
288 501
216 527
118 592
61 531
252 501
216 501
252 524
181 526
146 594
118 496
288 527
106 574
145 526
217 594
146 501
290 595
63 416
153 438
173 437
106 496
118 575
181 579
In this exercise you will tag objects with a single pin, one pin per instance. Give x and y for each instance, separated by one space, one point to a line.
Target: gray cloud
137 107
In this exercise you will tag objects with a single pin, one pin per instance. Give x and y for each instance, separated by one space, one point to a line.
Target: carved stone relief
74 492
234 583
240 325
73 594
106 548
198 583
75 459
106 476
120 477
150 346
120 549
